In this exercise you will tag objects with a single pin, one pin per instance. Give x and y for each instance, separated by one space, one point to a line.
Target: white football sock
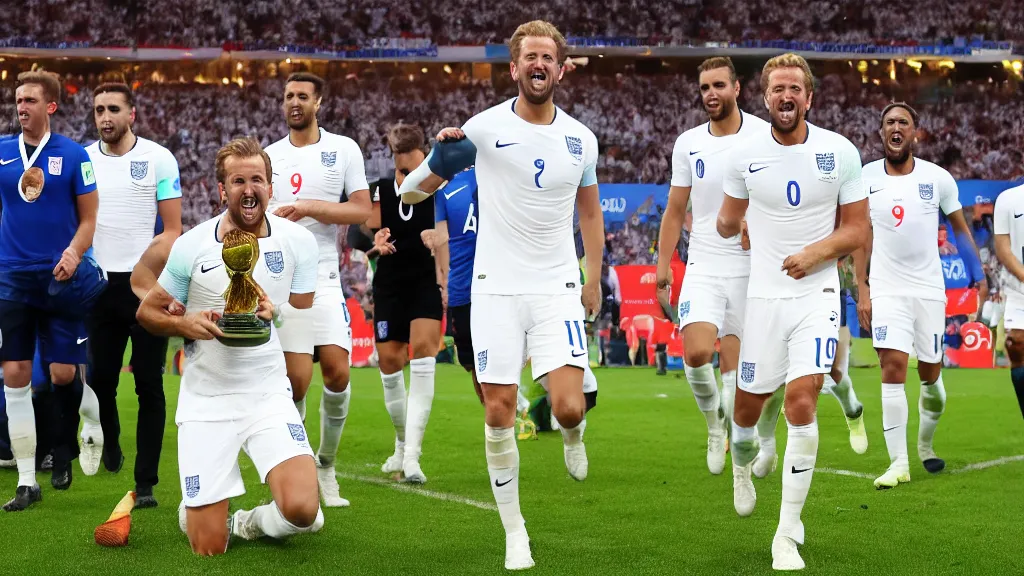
333 412
270 520
421 397
300 405
394 401
90 408
589 378
21 426
521 402
797 471
503 468
705 392
728 393
744 444
930 406
769 420
847 397
894 422
571 436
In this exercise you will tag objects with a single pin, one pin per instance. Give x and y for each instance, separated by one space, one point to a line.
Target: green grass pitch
649 506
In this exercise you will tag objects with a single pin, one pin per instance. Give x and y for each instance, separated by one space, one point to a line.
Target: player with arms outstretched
321 183
534 163
238 398
1009 242
788 182
714 289
903 296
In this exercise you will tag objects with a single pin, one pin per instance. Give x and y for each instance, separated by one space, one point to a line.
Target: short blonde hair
788 60
49 82
241 148
539 29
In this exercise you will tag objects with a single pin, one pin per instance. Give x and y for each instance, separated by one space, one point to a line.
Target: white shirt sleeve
681 175
355 172
177 273
949 193
733 183
1001 215
851 188
306 254
474 129
590 170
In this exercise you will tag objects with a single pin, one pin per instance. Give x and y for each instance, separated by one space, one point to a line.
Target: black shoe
144 497
60 478
113 461
46 463
23 498
934 465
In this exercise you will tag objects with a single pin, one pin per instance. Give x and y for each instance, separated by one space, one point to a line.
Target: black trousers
111 324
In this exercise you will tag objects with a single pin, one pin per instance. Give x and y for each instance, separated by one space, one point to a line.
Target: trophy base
243 330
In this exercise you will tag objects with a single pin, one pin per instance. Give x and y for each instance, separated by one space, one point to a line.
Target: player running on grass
238 398
534 163
903 294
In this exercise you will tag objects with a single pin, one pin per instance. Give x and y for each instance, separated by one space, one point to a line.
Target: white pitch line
989 464
845 473
967 468
419 491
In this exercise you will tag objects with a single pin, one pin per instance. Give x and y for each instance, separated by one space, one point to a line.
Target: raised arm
446 159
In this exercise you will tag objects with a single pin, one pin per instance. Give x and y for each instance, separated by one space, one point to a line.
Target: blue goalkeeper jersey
456 203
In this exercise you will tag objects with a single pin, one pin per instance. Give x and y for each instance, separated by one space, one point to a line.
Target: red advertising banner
362 334
961 301
639 289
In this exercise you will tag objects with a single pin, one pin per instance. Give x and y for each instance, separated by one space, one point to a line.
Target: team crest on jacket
328 158
926 191
747 372
192 486
139 169
575 147
275 261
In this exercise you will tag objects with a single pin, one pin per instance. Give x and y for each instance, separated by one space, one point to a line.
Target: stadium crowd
204 23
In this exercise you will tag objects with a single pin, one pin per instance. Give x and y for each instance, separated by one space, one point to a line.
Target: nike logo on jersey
6 162
575 355
890 428
697 152
500 484
454 192
795 471
80 340
498 144
1015 215
206 268
872 190
751 168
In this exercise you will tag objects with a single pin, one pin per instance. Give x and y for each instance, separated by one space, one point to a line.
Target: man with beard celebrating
789 182
234 398
903 296
534 163
714 289
138 180
321 183
48 278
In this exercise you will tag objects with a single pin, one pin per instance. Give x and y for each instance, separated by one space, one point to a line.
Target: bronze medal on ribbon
31 184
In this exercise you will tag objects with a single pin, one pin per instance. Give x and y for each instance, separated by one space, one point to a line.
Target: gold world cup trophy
240 325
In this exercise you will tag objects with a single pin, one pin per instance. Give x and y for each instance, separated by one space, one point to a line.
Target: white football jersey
129 187
1008 218
222 382
328 170
794 192
699 161
528 176
905 219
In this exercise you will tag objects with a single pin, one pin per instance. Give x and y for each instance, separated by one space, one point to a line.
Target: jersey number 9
897 213
296 183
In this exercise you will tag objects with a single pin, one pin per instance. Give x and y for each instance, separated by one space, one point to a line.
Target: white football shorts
718 301
1013 314
548 328
909 325
208 451
787 338
331 322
